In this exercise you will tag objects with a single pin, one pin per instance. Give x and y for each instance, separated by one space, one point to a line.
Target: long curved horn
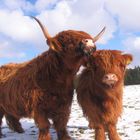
45 31
99 35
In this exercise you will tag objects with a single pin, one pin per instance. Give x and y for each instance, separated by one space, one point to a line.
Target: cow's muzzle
110 80
88 46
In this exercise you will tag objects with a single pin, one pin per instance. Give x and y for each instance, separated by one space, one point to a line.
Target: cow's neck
51 66
66 64
109 94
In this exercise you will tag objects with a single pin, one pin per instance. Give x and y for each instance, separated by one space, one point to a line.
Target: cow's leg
112 132
44 134
14 123
1 116
43 125
60 120
99 132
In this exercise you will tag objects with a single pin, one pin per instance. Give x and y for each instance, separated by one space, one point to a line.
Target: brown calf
100 90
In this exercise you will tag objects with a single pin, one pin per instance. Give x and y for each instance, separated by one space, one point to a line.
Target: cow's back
5 70
8 70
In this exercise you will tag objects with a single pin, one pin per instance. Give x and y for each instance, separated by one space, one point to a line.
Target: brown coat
99 95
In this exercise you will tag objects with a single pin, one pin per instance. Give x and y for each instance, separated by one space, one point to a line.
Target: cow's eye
86 40
119 65
122 66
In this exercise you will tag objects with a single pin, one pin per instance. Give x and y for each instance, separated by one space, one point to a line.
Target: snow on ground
128 125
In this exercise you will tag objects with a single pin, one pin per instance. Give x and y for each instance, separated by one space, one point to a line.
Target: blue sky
21 39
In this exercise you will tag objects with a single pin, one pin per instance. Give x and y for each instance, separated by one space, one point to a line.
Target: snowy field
128 125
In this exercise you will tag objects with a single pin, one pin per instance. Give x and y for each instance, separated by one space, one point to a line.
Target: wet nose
89 42
88 46
110 76
110 79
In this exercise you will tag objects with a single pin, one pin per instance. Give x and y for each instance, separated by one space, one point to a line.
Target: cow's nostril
106 77
113 76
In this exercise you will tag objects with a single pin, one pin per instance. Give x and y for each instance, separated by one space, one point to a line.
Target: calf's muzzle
110 79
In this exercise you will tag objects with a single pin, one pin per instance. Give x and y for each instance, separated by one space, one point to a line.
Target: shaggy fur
43 87
102 105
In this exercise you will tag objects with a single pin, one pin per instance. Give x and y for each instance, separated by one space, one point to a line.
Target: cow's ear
128 58
54 45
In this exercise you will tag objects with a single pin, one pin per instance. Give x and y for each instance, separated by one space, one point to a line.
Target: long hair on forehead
106 57
71 37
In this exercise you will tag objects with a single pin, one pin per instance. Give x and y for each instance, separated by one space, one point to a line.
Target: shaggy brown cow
43 87
100 90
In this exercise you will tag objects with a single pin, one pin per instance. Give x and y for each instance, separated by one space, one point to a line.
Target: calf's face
109 67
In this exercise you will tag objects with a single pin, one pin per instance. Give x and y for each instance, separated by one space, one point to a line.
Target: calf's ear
128 58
